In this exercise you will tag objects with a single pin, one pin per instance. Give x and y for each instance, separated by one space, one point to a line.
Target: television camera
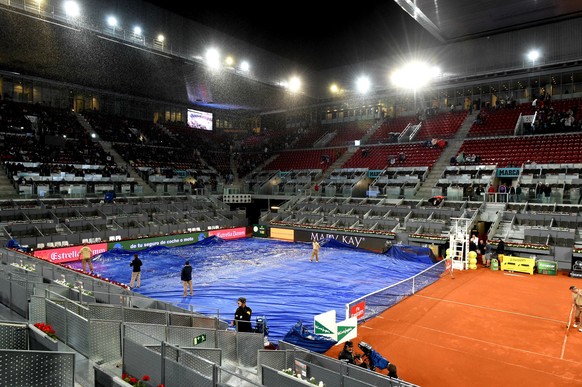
375 360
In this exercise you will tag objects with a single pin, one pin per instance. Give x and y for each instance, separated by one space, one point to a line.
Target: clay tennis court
482 328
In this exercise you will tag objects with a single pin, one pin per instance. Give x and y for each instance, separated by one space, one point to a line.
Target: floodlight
363 84
137 30
112 21
245 66
294 84
212 58
414 75
161 38
533 55
72 9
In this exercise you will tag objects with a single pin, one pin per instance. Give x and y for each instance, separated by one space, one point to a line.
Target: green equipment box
547 267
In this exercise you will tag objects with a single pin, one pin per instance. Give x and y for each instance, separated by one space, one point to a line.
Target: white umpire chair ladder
459 243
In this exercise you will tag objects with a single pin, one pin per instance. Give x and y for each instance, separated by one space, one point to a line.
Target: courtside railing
377 302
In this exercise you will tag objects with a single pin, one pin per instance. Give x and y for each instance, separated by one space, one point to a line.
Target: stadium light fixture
160 39
294 84
336 89
533 55
414 75
72 9
363 84
138 34
229 61
113 23
245 66
212 58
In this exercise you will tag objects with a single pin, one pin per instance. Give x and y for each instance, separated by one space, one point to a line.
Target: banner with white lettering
368 242
324 324
508 172
358 310
229 233
68 254
347 329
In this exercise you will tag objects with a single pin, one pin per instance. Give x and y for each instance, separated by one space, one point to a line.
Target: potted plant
43 336
136 382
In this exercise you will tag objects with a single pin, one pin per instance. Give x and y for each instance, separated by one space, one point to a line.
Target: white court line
492 309
474 340
496 310
564 346
508 312
514 275
520 365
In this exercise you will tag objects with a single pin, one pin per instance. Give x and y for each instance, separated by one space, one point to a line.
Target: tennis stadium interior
104 137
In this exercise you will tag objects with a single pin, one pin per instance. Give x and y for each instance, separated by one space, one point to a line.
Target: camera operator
375 359
347 354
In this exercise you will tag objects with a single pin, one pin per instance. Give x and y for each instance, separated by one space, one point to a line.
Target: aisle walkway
84 374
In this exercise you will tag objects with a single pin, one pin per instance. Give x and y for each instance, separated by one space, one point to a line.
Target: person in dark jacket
136 271
500 247
186 277
500 251
242 316
347 354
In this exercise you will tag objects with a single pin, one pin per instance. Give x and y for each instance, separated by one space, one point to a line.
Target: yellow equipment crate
522 265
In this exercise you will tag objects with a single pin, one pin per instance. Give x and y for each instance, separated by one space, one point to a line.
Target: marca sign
68 254
231 233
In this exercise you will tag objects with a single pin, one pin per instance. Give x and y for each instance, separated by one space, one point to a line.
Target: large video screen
199 120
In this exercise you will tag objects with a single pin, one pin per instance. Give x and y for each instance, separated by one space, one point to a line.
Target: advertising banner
165 240
230 233
324 324
508 172
358 310
284 234
68 254
368 242
347 330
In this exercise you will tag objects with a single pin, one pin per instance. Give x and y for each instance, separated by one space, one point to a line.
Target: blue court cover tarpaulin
276 277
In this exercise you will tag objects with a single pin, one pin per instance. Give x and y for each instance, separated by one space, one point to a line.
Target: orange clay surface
482 328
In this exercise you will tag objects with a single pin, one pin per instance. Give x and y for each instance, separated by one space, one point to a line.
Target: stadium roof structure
373 29
110 59
454 20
